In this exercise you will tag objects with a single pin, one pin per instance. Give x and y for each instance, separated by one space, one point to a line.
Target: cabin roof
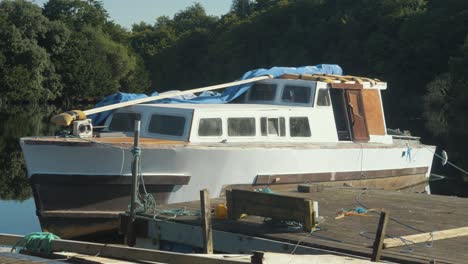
226 107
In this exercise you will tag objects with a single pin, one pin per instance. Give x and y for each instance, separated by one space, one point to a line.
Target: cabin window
124 122
273 126
241 127
262 92
296 94
299 127
167 125
210 127
323 99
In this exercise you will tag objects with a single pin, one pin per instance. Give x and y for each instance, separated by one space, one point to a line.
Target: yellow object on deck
220 211
65 119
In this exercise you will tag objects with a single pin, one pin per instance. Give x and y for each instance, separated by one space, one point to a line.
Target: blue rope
37 242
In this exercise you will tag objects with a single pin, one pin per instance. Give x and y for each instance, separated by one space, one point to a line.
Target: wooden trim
79 179
346 86
335 176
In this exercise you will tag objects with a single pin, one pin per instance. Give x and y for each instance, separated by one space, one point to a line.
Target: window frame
264 126
275 95
311 90
140 116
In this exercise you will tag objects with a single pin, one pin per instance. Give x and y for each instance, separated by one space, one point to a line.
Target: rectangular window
273 126
210 127
297 94
299 127
241 127
167 125
323 99
124 122
262 92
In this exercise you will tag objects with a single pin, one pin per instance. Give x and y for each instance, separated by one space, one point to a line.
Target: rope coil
37 242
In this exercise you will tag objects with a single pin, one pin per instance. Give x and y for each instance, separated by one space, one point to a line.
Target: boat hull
97 178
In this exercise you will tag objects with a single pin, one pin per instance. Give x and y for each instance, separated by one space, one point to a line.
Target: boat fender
65 119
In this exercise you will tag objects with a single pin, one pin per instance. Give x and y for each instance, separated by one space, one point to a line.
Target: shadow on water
18 121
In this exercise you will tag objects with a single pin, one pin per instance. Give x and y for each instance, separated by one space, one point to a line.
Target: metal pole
130 237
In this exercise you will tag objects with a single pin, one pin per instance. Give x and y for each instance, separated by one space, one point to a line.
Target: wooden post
379 237
309 216
130 237
206 221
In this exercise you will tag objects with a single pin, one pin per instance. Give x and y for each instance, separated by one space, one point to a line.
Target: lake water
18 217
17 210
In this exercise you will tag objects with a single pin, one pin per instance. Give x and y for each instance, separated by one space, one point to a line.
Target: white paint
213 166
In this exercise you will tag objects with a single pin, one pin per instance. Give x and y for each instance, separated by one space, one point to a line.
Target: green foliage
77 14
26 38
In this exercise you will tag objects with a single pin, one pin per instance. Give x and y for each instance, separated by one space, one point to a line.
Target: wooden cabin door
356 113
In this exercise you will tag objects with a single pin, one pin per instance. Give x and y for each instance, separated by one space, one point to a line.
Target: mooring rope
37 242
406 242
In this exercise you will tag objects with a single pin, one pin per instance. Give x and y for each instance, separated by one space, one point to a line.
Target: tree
26 39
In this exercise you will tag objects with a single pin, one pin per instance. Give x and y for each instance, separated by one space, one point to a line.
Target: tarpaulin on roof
211 97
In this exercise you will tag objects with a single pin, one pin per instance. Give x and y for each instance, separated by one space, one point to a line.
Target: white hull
217 165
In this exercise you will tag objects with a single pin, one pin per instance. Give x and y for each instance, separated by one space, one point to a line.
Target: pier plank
411 213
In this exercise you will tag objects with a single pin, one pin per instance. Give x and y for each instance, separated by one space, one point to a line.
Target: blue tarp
209 97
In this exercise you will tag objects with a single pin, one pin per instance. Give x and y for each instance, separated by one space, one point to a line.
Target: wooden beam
379 237
279 207
122 252
426 237
206 221
346 86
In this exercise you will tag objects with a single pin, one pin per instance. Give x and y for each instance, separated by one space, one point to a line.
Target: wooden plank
346 86
206 221
122 252
279 207
379 237
374 111
426 237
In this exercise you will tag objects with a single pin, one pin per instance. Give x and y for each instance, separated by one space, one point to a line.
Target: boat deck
410 213
127 142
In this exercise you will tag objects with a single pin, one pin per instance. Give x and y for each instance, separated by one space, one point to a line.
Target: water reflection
19 217
18 121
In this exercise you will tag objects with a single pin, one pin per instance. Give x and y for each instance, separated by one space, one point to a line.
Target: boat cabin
276 110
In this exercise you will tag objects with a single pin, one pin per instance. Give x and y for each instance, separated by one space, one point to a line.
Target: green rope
37 241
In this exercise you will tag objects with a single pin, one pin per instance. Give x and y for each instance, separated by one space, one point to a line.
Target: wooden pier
69 251
340 230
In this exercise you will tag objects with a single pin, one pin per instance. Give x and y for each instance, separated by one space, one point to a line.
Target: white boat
290 130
